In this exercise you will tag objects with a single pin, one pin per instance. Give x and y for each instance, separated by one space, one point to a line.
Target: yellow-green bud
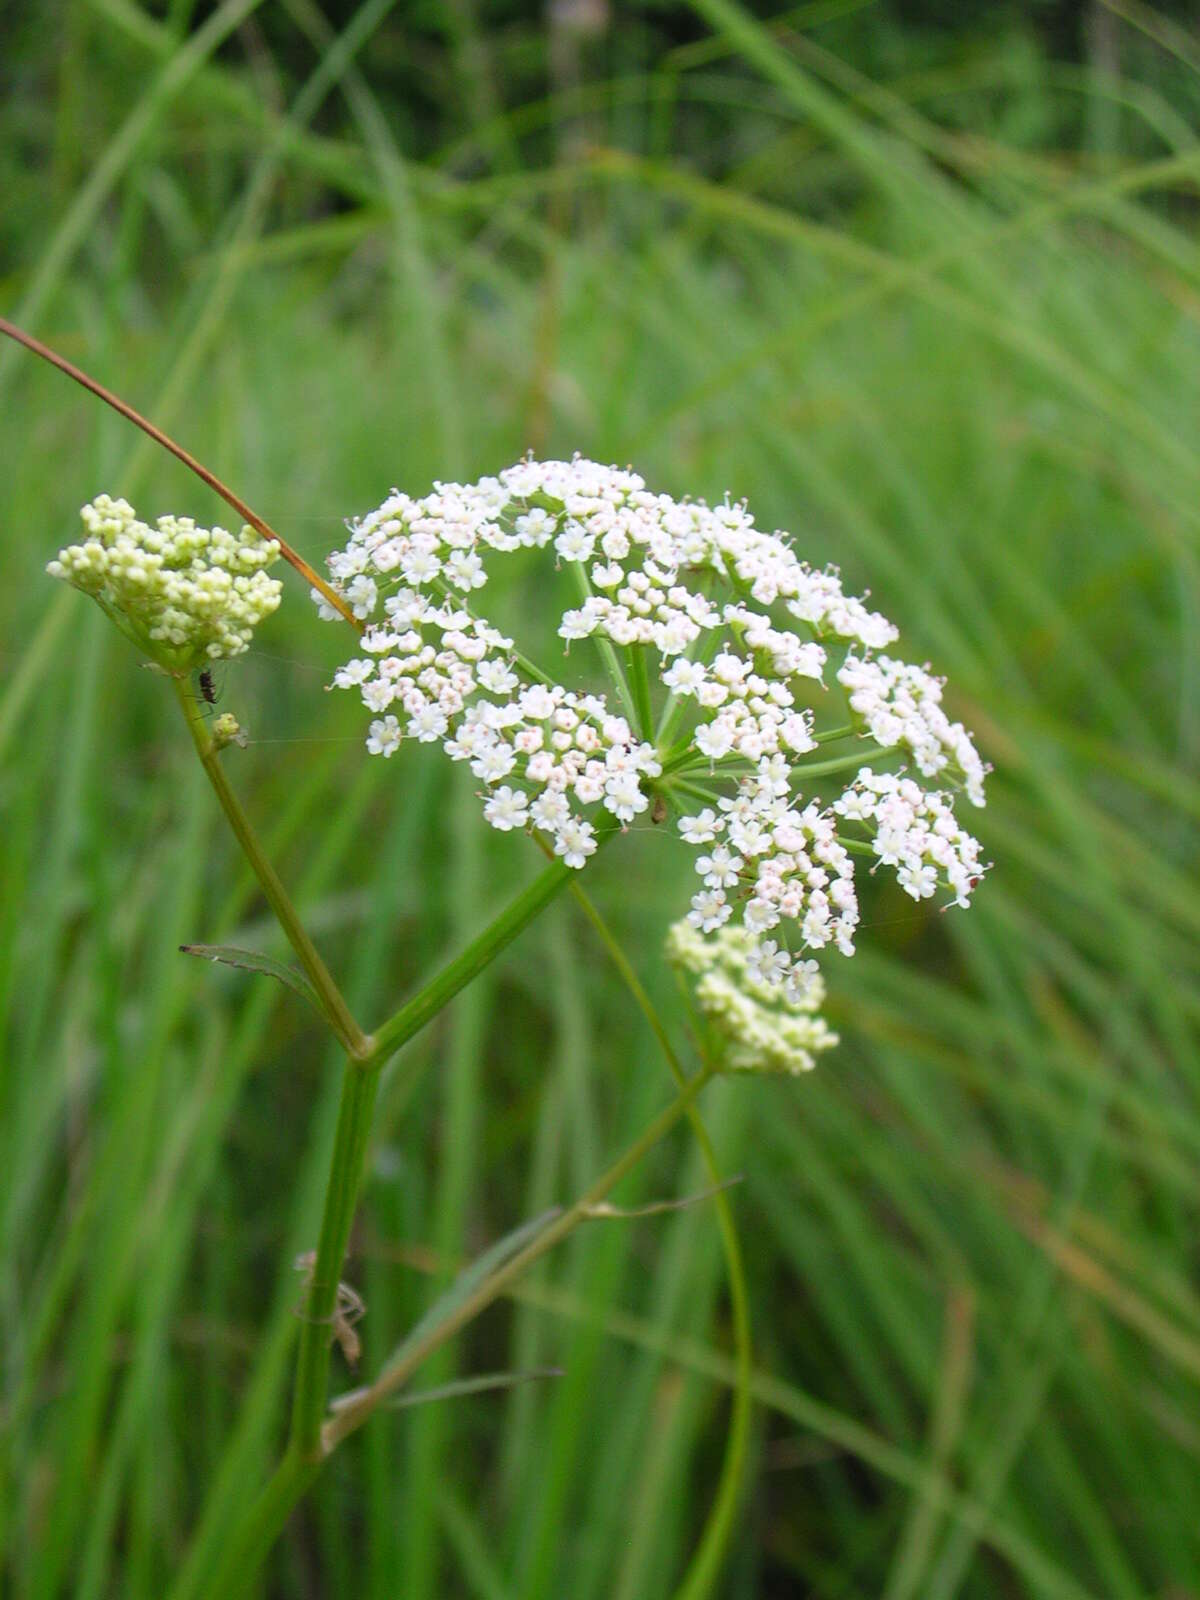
185 595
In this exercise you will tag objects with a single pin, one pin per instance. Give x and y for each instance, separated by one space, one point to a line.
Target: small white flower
465 570
353 673
709 910
575 841
361 594
497 677
550 811
574 543
494 762
428 724
714 739
384 737
378 694
702 828
720 868
623 796
535 527
684 676
507 808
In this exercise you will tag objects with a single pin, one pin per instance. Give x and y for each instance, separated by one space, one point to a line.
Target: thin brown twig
202 472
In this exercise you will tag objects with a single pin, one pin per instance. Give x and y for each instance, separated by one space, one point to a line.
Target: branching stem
351 1416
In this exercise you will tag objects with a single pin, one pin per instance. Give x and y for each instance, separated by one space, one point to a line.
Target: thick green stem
333 1004
353 1132
251 1541
359 1086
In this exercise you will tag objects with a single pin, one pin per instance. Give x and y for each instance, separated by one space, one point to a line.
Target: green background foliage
925 289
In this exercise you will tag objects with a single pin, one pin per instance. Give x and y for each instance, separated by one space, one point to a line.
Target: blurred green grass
937 314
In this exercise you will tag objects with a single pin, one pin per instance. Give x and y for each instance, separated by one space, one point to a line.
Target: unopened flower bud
186 596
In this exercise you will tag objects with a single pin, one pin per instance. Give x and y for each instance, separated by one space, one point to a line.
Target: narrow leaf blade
252 961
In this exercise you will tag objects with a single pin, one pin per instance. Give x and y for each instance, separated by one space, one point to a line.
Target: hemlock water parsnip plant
713 684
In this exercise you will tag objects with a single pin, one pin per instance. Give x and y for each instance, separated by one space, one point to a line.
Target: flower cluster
186 595
762 1027
902 705
785 863
915 831
720 645
565 751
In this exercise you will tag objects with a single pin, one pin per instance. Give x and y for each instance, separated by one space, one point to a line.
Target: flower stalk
706 1562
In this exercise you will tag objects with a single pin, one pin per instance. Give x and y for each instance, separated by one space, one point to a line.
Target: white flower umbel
763 1025
720 645
186 595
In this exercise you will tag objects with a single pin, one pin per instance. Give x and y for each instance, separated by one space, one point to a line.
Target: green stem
821 769
705 1565
352 1415
677 756
608 653
696 790
677 706
333 1004
359 1085
639 681
251 1541
359 1088
415 1013
734 767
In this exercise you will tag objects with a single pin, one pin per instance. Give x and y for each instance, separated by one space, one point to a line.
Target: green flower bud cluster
763 1027
185 595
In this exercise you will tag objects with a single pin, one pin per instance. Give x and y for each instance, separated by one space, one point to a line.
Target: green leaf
252 961
482 1383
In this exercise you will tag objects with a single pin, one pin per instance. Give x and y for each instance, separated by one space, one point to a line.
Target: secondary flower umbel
720 646
185 595
761 1026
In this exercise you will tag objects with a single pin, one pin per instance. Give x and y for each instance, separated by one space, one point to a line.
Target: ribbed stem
359 1086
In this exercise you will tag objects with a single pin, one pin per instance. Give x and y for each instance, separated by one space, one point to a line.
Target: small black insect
207 687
